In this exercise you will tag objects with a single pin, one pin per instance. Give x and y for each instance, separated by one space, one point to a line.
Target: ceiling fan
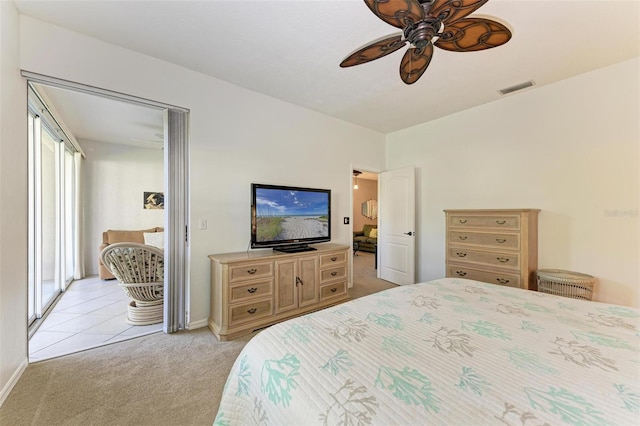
428 23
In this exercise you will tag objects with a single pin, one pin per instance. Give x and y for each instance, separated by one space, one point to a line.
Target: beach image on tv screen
291 215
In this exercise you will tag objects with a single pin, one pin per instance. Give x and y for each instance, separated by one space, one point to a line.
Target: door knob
408 233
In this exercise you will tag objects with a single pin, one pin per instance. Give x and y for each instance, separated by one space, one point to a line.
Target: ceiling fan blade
414 63
451 11
374 50
396 12
471 34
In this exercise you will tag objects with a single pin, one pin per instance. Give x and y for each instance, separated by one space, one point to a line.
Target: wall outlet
346 220
203 224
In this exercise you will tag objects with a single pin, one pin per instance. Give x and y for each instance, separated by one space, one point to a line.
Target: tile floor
90 313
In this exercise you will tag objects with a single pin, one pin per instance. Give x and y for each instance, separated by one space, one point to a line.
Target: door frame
176 176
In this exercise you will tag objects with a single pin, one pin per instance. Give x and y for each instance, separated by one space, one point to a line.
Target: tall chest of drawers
493 246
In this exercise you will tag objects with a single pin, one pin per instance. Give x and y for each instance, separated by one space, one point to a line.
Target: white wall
237 137
13 204
115 179
570 149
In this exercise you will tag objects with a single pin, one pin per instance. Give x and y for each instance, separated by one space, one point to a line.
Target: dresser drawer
249 311
332 290
326 260
506 241
333 273
476 221
502 260
253 290
509 280
250 271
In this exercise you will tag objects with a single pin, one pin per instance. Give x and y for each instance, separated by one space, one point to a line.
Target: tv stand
252 290
298 248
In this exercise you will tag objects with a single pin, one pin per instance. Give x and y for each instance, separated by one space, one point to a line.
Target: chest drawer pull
334 273
462 237
252 271
333 290
501 222
461 254
461 273
501 240
252 311
462 220
502 259
252 290
334 258
502 281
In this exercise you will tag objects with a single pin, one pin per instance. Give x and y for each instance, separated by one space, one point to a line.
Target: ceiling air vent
517 87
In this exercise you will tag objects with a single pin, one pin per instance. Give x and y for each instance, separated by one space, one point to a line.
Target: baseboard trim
6 390
197 324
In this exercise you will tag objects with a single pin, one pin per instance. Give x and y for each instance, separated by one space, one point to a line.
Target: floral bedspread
448 352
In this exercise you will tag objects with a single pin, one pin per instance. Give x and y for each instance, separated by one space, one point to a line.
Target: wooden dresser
251 290
493 246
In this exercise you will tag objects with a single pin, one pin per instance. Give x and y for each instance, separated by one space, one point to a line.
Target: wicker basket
566 283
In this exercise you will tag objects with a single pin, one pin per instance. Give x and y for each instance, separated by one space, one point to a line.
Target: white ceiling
368 176
99 119
291 49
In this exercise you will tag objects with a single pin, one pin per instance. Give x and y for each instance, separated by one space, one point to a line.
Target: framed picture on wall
153 200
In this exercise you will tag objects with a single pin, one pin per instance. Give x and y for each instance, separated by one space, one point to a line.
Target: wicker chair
139 270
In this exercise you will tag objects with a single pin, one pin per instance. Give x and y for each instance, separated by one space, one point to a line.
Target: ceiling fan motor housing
421 33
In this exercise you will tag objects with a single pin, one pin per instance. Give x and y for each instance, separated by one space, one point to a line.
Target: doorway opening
102 151
394 209
364 216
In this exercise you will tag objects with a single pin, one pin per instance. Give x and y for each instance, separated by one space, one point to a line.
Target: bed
444 352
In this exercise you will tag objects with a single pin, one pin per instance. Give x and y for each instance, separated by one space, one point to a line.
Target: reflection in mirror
370 209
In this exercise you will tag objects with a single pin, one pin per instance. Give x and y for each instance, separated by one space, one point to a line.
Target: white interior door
396 238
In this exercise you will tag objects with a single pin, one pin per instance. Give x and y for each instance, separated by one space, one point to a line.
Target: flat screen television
289 218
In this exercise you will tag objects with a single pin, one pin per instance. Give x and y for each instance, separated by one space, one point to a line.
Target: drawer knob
334 258
501 222
501 240
252 271
461 273
502 280
462 220
334 273
461 254
252 290
252 311
462 237
333 290
502 259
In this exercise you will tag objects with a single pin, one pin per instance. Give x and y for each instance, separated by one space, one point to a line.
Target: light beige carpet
157 379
